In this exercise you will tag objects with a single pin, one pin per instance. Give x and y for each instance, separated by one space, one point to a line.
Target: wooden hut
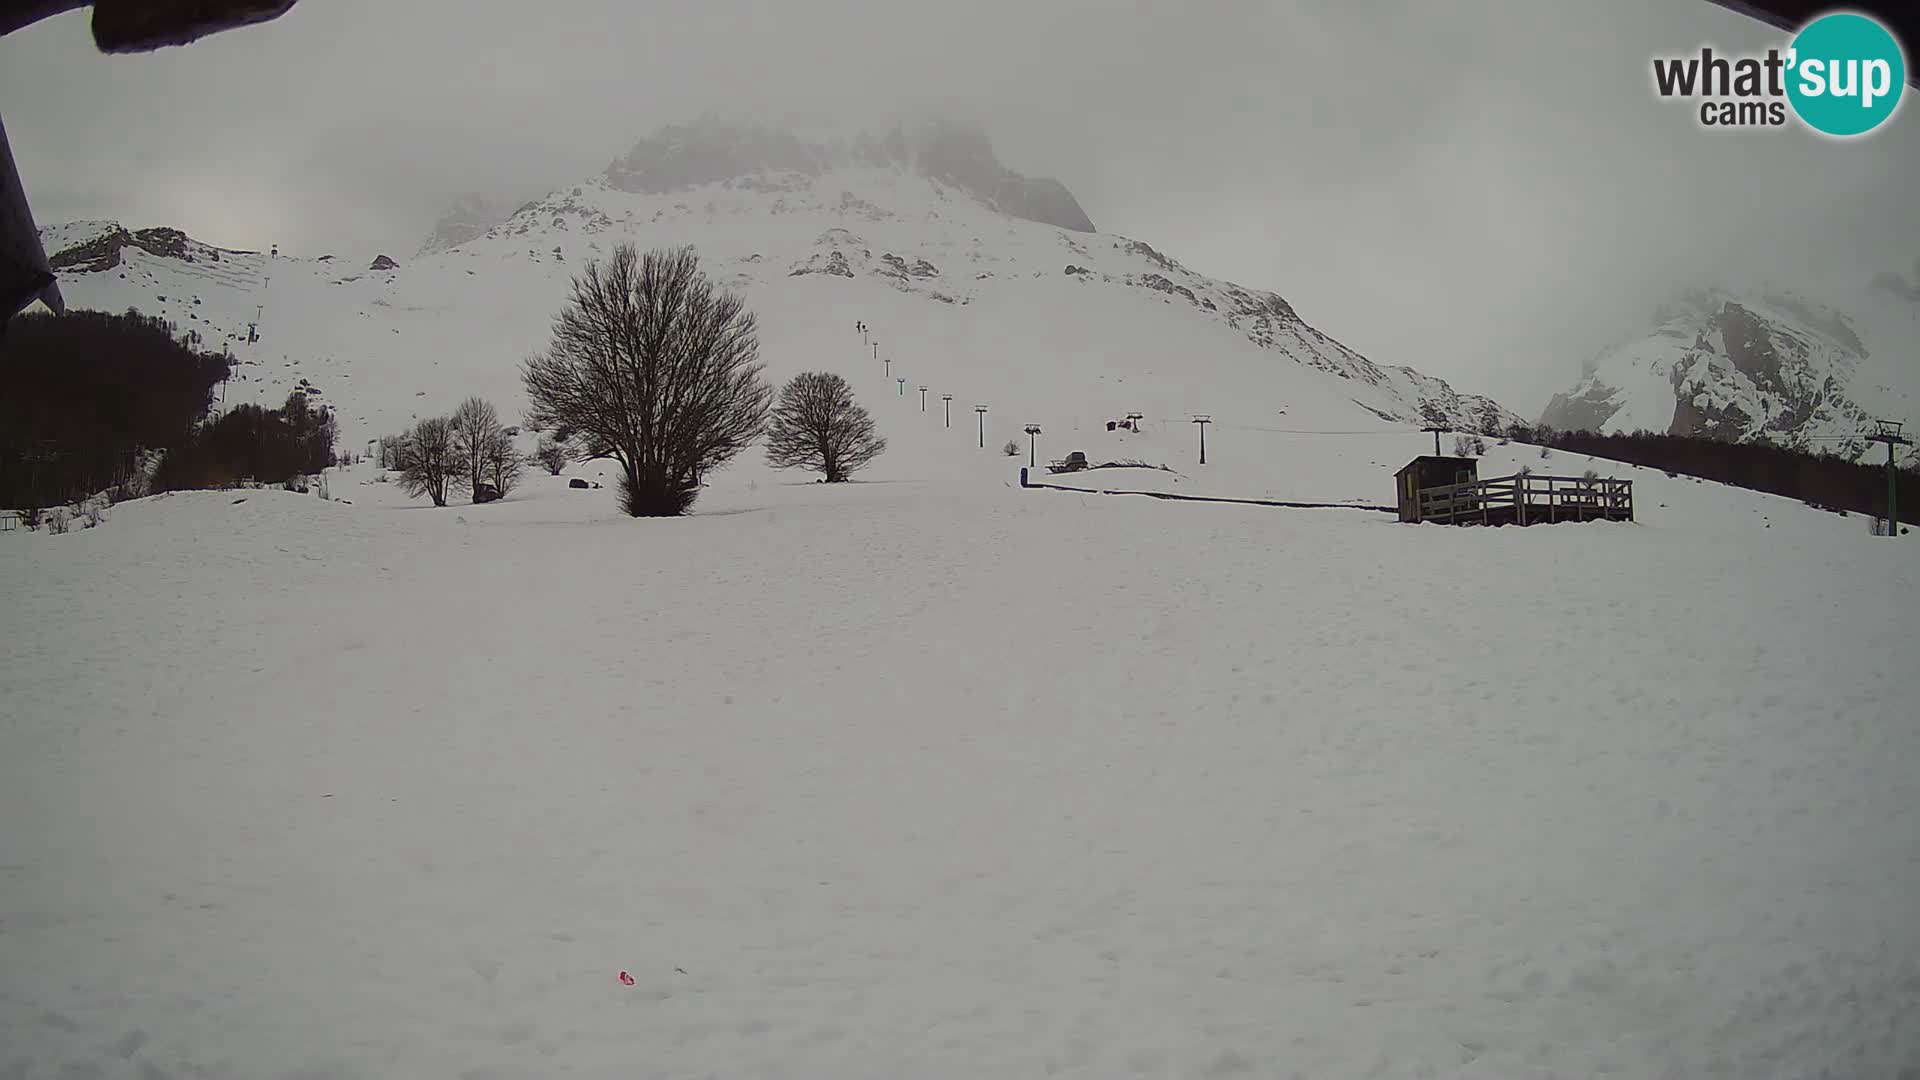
1430 471
1447 491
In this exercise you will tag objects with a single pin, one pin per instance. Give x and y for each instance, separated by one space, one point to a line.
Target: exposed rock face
468 217
1588 409
894 266
962 157
689 155
381 262
103 252
831 262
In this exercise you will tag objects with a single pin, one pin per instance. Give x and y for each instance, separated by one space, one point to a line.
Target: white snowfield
927 775
945 778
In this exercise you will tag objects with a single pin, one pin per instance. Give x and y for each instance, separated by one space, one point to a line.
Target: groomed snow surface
938 779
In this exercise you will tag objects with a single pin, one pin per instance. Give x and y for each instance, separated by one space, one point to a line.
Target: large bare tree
430 461
653 367
817 425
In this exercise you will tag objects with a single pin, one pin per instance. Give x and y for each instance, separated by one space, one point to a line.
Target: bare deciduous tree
817 425
551 455
430 461
653 367
476 426
501 464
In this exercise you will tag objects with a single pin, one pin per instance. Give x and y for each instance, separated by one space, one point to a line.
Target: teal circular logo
1846 73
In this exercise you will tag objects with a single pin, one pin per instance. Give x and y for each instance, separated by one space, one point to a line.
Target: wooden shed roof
1471 463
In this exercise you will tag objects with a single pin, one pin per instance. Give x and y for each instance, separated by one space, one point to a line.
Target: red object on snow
626 979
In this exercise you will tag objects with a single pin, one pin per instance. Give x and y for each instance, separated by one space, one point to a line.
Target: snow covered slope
1042 322
889 779
1752 364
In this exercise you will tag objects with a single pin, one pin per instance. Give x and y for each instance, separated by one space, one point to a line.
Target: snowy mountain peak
1743 365
684 156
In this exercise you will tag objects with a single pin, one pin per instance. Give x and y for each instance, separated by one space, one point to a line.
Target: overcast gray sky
1483 189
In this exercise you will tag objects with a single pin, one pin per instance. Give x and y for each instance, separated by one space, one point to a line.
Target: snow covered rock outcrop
88 247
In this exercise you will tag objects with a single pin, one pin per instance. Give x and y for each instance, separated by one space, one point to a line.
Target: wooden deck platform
1527 499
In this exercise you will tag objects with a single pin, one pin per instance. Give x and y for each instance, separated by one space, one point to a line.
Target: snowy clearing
890 779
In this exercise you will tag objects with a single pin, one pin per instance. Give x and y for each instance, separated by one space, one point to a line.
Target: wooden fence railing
1528 499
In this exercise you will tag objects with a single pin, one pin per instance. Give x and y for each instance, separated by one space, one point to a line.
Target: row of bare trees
469 450
654 368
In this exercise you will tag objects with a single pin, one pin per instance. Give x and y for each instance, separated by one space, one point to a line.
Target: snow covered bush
1012 449
57 519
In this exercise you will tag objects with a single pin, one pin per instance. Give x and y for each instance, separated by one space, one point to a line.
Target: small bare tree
476 427
818 426
551 455
502 465
430 461
653 367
